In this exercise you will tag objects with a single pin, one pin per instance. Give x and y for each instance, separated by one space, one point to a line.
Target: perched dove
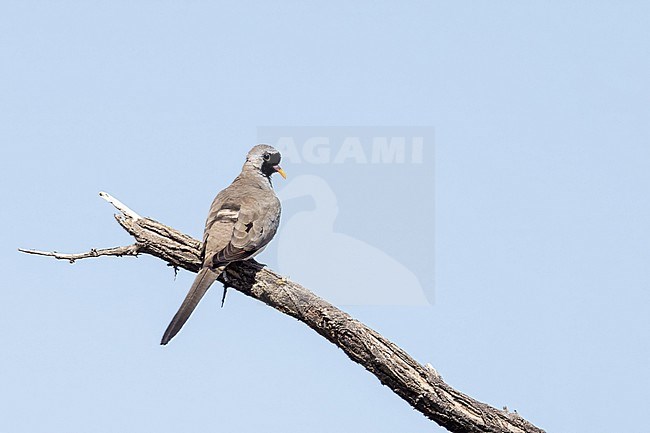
243 219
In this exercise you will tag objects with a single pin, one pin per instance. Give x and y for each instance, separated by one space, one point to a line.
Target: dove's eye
267 157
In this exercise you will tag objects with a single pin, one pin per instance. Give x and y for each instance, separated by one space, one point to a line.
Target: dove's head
266 159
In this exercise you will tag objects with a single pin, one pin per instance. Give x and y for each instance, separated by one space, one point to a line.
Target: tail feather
201 284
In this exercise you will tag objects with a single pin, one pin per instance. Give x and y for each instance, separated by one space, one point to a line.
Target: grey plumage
242 220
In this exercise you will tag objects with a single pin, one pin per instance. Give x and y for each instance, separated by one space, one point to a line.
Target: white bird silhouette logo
340 268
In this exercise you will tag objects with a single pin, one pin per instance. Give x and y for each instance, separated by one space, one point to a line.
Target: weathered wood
420 386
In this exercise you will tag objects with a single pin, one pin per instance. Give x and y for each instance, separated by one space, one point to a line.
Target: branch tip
120 206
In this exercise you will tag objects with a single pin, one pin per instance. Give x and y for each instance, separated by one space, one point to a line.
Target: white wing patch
228 214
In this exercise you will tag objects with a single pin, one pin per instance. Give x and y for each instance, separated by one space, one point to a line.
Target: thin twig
130 250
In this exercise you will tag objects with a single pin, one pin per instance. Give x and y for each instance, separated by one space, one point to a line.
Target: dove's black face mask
271 163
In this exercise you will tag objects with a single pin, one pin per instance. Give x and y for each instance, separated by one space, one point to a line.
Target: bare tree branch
421 386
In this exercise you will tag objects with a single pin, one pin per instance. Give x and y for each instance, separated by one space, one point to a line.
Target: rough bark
419 385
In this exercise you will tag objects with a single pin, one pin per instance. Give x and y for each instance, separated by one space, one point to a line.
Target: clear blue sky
539 299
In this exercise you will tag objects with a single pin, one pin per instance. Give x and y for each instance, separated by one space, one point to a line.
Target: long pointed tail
203 281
